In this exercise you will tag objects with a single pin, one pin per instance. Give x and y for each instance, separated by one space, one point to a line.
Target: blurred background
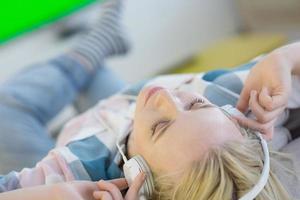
170 36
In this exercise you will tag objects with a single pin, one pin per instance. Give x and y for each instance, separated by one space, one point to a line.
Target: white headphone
132 168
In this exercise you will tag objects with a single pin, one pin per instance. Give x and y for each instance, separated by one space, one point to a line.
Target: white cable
121 152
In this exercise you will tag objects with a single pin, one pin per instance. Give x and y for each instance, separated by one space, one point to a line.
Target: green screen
19 16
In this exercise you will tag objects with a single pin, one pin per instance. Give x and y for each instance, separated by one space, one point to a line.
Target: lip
151 92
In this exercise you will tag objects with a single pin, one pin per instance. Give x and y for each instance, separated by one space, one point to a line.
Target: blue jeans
34 96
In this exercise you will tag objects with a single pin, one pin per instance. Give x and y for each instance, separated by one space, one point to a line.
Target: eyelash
195 101
154 126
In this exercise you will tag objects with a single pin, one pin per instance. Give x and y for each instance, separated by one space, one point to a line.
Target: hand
110 190
265 93
75 190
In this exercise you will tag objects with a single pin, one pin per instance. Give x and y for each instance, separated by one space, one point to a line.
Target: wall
163 33
169 31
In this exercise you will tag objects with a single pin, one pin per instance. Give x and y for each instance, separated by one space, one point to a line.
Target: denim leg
102 85
28 101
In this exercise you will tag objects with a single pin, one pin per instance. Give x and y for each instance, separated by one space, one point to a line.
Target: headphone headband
263 180
264 175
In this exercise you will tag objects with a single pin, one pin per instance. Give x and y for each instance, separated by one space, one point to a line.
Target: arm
79 190
290 55
267 88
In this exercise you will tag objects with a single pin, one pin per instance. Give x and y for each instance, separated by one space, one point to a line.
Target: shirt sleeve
294 98
86 150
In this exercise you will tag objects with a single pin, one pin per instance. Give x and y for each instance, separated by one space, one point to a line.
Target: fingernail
101 181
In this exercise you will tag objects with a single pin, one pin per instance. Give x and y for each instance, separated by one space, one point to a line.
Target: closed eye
196 101
160 127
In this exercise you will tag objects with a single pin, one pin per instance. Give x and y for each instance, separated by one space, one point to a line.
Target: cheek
140 101
139 140
143 122
134 144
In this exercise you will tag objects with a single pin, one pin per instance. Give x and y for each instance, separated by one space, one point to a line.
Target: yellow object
232 52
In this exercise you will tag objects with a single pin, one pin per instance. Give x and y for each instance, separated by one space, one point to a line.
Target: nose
167 102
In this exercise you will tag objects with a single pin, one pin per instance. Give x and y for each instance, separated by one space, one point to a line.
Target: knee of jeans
102 85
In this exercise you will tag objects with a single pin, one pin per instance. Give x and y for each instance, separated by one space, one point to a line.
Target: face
173 128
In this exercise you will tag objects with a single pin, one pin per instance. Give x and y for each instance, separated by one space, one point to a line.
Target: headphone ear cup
133 167
149 182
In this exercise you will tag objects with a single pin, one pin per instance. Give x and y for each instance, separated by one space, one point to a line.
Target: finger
134 189
272 102
102 195
279 100
268 134
255 108
121 183
111 188
259 112
264 99
242 104
266 129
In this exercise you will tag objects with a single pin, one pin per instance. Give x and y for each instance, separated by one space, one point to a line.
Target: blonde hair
225 172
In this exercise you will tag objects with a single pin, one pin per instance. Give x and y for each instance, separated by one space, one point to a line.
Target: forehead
201 129
202 121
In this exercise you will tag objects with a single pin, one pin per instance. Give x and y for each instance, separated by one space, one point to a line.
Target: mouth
151 92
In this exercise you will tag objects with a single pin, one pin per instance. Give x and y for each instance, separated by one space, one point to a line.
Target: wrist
289 55
283 59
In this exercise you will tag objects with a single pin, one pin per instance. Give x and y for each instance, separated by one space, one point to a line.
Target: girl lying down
182 133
